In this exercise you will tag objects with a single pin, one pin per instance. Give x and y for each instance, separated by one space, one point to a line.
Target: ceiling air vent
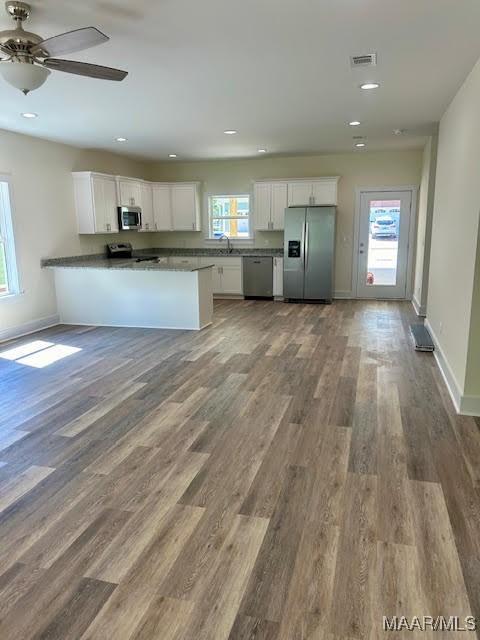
367 60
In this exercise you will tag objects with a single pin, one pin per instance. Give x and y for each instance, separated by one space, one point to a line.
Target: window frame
7 238
210 218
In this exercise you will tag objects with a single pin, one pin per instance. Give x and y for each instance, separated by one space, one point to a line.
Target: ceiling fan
30 57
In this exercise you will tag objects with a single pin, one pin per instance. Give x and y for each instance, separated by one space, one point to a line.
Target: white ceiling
276 70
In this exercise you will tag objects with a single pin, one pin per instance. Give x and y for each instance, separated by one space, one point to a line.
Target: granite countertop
96 262
100 261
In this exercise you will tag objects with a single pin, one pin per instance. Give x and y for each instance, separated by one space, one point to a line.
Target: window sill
246 241
11 296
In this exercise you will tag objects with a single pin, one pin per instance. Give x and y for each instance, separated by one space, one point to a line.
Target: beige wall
454 247
360 169
424 225
44 216
472 376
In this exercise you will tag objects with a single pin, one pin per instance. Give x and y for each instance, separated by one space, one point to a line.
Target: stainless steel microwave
129 218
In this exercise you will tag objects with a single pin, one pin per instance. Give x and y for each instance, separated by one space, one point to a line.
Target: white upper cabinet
270 201
129 192
262 204
325 191
299 194
279 204
146 204
162 207
95 202
317 191
185 207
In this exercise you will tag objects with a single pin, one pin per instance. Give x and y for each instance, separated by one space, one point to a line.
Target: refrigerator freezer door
294 252
319 249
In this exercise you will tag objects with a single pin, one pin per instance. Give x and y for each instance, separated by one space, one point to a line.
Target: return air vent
367 60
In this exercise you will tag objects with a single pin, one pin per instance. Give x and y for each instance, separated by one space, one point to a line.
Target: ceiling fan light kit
30 57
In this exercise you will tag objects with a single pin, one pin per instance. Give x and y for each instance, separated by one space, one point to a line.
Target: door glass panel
384 226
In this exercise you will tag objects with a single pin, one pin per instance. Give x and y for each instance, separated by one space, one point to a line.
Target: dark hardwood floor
292 472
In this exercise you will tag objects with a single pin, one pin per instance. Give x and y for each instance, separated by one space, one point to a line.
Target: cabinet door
262 205
130 193
110 204
299 194
147 207
279 204
217 279
98 205
325 192
278 276
184 207
162 207
232 279
104 205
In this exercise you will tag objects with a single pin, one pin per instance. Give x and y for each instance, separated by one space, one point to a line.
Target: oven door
129 218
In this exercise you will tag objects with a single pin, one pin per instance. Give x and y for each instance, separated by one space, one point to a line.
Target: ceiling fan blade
85 69
69 42
5 50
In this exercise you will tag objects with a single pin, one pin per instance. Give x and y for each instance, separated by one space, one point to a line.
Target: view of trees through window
229 215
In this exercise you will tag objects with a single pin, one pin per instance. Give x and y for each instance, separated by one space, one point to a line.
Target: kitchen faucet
229 247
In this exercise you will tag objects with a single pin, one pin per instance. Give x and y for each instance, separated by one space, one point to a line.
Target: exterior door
383 244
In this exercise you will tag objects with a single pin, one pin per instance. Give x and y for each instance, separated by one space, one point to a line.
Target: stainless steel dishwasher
257 277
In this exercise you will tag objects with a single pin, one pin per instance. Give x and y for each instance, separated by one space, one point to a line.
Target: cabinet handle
156 227
193 226
147 226
108 227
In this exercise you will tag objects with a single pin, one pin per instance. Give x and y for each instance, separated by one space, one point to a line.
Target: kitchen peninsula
98 291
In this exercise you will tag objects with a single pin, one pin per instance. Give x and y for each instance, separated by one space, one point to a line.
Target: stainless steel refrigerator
309 253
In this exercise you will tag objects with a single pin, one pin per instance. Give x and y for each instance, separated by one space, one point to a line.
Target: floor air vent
423 341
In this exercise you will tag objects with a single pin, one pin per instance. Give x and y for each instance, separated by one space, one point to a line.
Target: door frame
359 191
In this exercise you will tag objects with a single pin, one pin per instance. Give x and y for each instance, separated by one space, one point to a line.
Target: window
229 215
8 263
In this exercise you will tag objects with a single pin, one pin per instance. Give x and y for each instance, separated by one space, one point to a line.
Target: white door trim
413 189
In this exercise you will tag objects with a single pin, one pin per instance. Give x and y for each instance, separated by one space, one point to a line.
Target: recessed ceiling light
360 144
230 132
172 155
369 85
262 151
398 132
120 139
29 115
354 123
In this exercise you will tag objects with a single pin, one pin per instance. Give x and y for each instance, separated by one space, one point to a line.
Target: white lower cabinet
226 274
278 277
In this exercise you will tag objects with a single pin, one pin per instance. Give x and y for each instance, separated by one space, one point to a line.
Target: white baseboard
465 405
28 327
420 310
470 406
342 295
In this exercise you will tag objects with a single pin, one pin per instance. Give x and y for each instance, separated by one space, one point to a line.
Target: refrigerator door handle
306 245
303 245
